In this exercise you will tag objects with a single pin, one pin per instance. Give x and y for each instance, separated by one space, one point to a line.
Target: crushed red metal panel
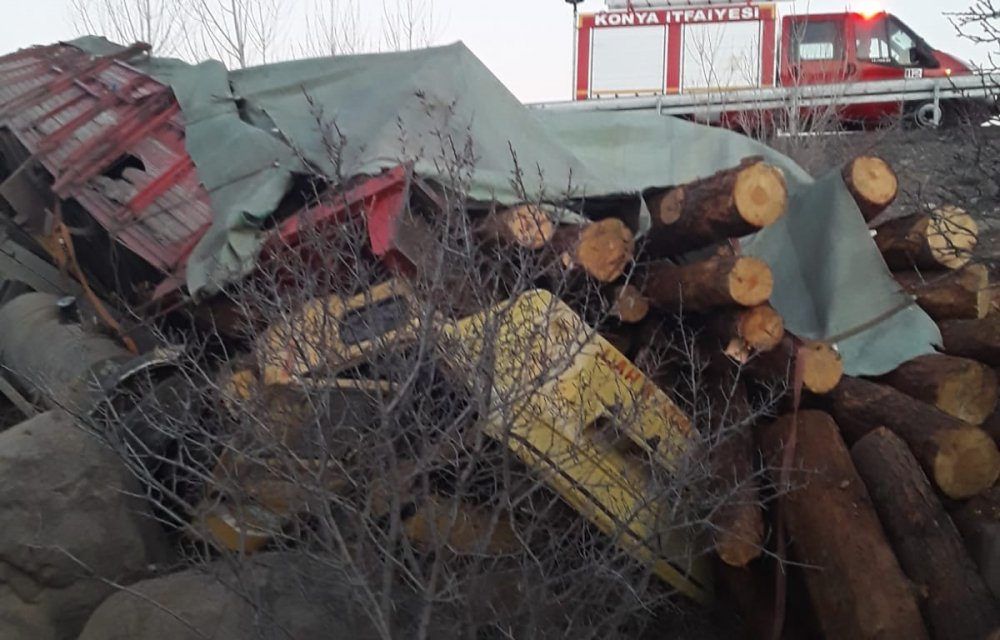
81 117
112 138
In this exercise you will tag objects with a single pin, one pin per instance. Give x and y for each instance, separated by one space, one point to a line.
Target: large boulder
272 596
71 528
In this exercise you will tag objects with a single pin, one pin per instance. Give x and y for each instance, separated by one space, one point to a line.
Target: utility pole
576 40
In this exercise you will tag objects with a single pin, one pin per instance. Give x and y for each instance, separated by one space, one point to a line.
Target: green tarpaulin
250 131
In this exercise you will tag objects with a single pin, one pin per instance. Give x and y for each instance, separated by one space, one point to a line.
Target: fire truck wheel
927 115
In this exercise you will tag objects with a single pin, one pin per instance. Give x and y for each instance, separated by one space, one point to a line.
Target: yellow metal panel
562 396
314 338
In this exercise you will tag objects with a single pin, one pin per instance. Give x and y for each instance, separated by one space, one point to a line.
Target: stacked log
859 590
867 521
729 204
872 183
942 239
887 455
924 436
955 600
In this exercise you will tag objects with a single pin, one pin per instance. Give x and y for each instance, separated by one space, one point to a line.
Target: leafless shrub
439 439
156 22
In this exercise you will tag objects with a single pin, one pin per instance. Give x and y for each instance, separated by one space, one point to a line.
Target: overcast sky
528 44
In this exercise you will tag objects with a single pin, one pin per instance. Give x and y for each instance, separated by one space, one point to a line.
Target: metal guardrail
908 90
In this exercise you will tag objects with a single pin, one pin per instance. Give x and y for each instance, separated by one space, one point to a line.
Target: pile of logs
895 528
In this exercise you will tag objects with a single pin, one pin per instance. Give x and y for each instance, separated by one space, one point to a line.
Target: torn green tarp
250 131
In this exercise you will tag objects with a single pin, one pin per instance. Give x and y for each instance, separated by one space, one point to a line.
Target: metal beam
908 90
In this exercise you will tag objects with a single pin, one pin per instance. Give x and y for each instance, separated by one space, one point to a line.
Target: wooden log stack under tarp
881 461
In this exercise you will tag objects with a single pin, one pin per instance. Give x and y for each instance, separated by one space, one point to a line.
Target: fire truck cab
695 55
843 47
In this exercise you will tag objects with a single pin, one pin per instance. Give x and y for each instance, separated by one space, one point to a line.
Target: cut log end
528 226
961 387
822 368
630 306
760 194
761 327
670 205
741 543
971 396
945 238
952 236
606 247
967 462
750 282
873 184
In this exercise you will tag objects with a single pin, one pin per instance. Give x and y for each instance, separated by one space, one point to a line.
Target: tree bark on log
732 203
720 281
953 295
975 339
944 238
963 388
992 424
821 366
956 602
960 458
743 332
601 249
979 521
525 225
859 590
739 521
873 184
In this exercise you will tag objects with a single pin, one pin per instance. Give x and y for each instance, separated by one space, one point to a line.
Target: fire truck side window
872 40
883 40
817 40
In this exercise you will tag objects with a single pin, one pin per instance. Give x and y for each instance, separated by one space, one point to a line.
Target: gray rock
274 596
68 528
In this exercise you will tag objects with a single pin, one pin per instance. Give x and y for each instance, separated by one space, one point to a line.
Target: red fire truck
719 61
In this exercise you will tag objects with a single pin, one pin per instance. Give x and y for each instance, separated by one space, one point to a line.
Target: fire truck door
816 51
888 50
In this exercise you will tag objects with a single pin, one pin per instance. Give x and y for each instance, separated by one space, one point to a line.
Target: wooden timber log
976 339
602 249
525 225
962 294
963 388
944 238
858 589
720 281
961 459
820 364
729 204
979 521
745 331
956 602
739 521
873 184
628 304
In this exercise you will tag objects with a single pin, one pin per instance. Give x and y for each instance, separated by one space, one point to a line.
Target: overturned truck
371 306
